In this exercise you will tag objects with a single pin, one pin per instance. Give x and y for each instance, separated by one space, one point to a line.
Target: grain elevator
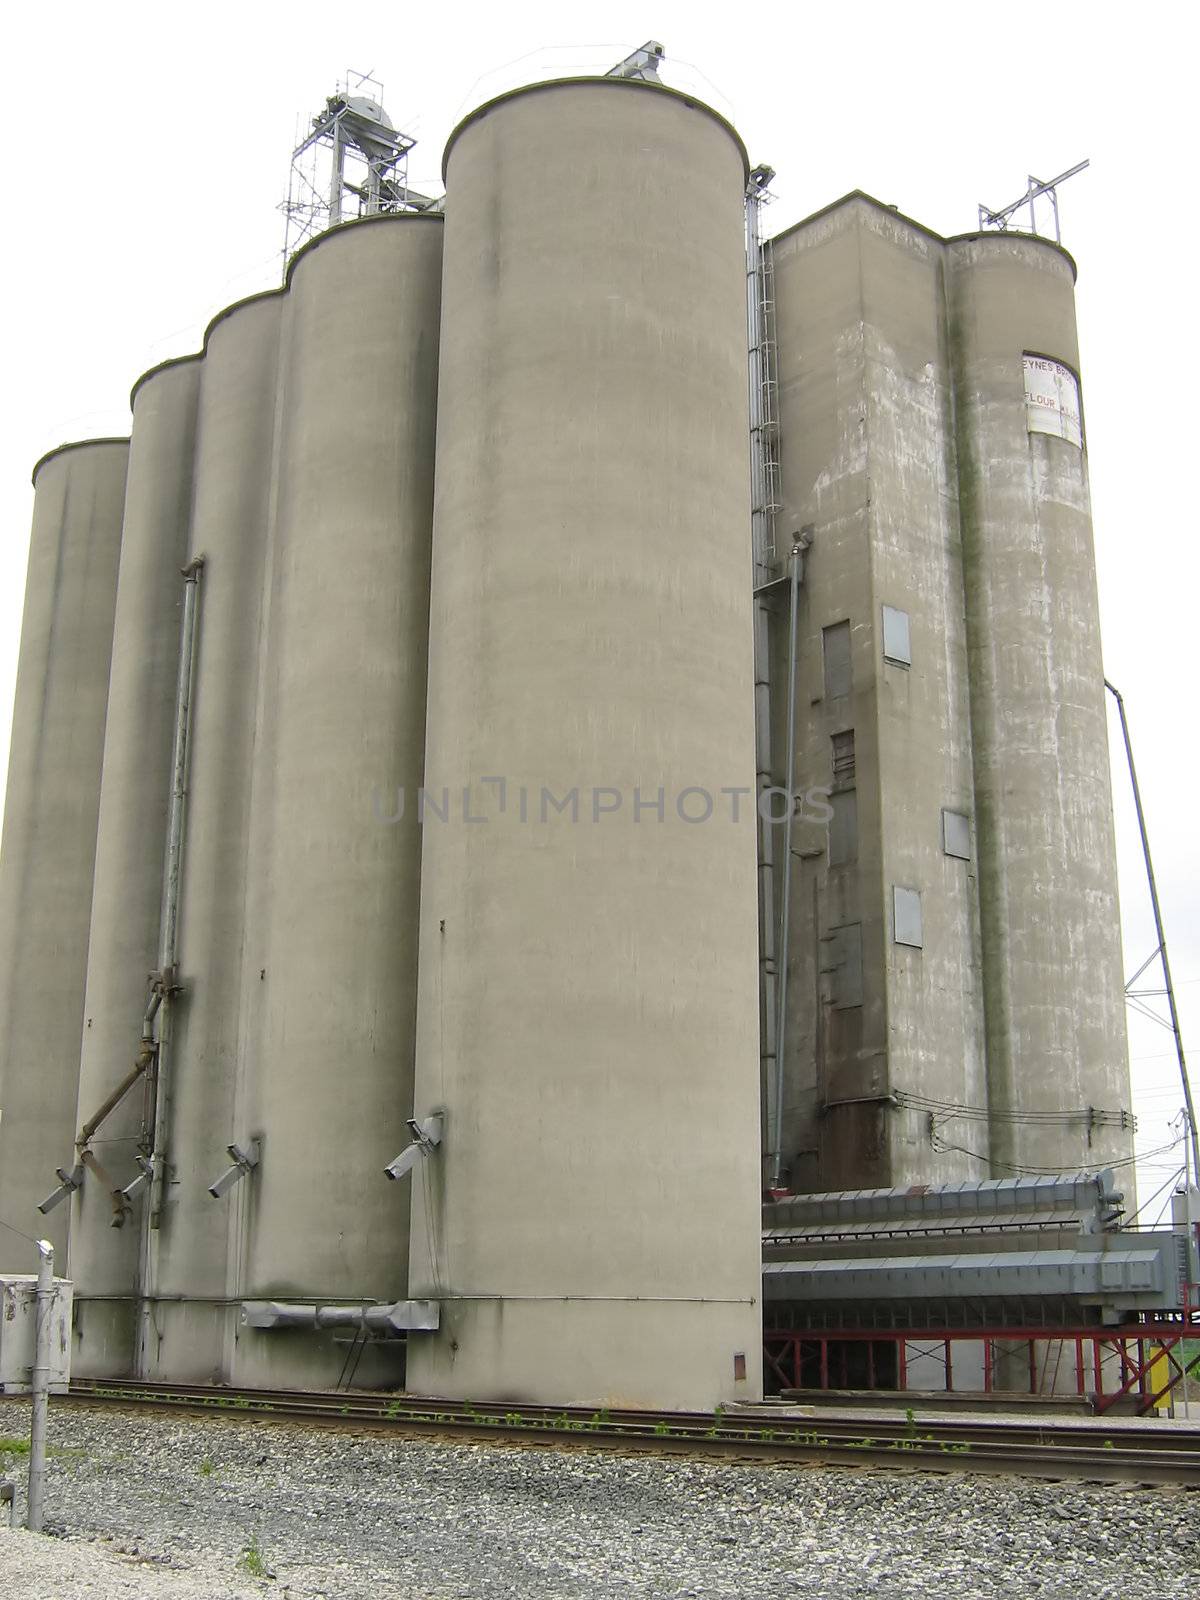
500 780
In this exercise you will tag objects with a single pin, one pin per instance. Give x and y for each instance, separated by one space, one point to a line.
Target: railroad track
1141 1452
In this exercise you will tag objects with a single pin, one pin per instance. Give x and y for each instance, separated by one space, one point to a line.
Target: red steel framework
1129 1352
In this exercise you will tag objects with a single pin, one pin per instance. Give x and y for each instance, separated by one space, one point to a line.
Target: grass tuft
251 1560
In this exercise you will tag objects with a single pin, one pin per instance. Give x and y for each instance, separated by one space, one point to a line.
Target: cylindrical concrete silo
230 512
588 1011
130 850
1053 986
49 848
331 942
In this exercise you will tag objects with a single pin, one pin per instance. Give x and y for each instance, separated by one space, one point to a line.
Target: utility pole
1193 1139
43 1327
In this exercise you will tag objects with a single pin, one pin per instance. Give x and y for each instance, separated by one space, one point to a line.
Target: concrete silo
878 1005
48 854
588 987
130 852
329 975
187 1264
1053 985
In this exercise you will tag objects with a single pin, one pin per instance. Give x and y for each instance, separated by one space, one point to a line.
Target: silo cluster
553 536
382 795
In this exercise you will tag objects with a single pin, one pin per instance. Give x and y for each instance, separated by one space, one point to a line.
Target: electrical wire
941 1145
28 1237
1174 1178
1094 1115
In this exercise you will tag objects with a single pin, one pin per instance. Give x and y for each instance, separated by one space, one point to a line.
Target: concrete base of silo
184 1343
684 1356
297 1358
104 1338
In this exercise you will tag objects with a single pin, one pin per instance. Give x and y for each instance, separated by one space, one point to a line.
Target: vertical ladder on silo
764 508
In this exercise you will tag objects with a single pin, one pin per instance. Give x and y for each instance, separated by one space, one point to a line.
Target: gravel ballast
220 1507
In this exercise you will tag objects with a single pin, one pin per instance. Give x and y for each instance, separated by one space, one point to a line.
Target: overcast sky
149 149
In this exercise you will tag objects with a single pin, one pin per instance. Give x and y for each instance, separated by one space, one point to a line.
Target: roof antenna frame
1035 189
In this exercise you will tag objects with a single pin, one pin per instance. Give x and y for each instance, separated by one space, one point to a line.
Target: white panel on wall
956 834
897 644
1052 399
906 911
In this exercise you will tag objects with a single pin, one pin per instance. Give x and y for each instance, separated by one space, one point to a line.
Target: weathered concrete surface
588 989
867 458
331 937
230 512
130 849
1054 988
48 854
900 359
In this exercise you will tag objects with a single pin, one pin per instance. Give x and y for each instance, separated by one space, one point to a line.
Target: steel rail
1135 1452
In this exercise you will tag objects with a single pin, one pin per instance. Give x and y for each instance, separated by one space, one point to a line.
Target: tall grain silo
48 854
588 988
231 505
884 994
130 853
1053 984
329 965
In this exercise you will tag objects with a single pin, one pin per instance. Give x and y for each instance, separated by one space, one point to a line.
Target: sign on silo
1052 399
18 1326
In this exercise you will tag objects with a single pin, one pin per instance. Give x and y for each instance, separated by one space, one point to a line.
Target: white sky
149 146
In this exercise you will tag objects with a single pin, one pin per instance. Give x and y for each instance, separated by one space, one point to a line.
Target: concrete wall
900 376
48 854
330 957
130 847
588 990
867 460
1054 988
837 1051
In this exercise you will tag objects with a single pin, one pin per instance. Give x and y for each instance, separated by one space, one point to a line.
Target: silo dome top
608 83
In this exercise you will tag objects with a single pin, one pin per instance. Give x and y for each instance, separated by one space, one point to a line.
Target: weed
207 1468
251 1560
10 1446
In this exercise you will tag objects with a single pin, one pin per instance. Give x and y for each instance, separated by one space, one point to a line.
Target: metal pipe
110 1105
786 894
337 176
1193 1136
40 1387
404 1316
169 925
164 982
183 722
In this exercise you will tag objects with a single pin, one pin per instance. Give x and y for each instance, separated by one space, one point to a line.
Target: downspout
167 975
156 1024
